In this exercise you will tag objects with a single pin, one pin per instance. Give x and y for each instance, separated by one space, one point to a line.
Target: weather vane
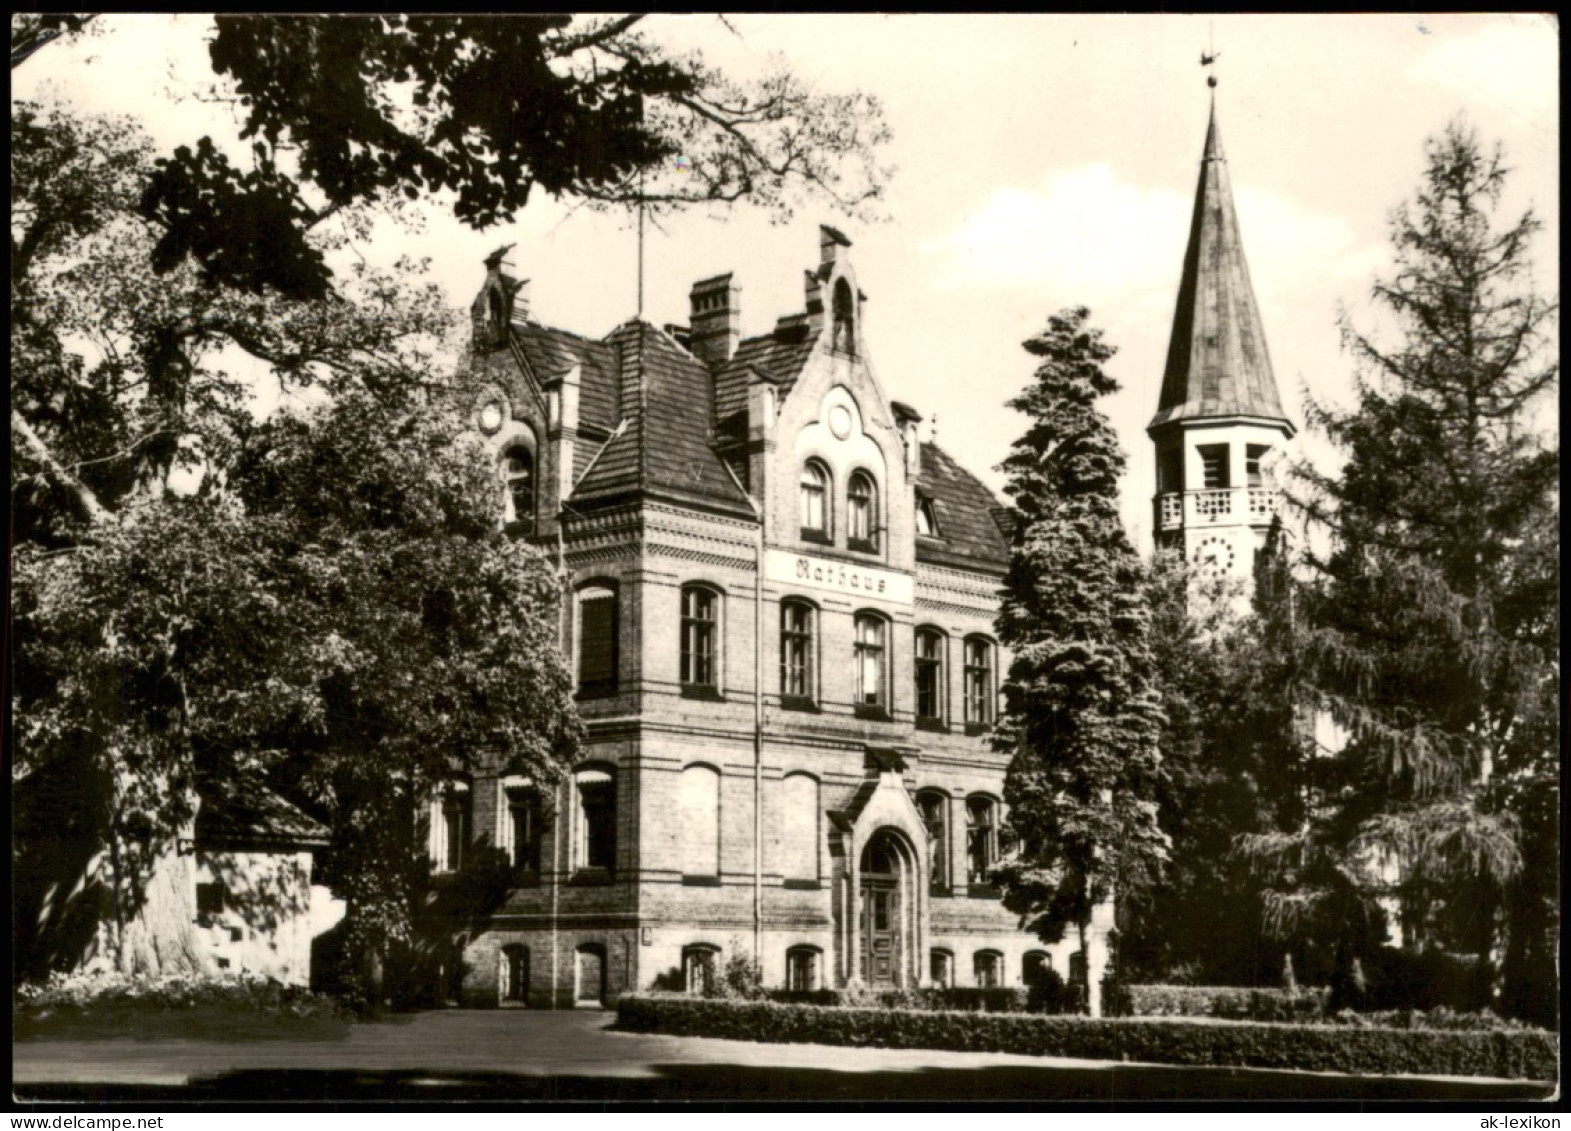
1209 56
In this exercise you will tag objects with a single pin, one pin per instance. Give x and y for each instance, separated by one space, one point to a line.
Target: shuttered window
596 841
597 651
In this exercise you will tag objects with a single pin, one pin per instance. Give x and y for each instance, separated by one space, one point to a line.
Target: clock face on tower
1214 556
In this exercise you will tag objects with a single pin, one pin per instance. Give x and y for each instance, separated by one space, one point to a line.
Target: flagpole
640 245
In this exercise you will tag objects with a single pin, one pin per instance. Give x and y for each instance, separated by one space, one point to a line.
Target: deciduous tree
331 585
480 111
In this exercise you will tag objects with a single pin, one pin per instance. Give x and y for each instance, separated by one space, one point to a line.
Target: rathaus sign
838 577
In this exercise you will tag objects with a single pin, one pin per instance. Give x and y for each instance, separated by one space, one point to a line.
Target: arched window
518 473
802 969
930 681
595 843
979 682
926 518
845 318
449 826
797 653
941 967
981 839
1077 969
934 808
988 968
597 640
520 826
699 820
861 512
1035 967
514 973
700 660
699 963
799 832
813 495
872 665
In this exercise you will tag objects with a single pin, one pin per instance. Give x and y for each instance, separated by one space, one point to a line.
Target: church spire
1217 362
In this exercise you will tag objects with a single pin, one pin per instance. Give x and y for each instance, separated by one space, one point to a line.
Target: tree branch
84 494
576 43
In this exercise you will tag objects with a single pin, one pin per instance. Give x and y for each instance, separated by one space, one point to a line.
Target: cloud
1091 237
1084 232
1291 251
1514 62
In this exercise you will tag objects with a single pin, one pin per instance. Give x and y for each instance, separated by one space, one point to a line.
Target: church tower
1219 422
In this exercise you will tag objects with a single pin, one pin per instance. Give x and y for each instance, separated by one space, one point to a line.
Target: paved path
574 1056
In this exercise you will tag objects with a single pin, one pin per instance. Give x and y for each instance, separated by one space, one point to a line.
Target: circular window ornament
491 416
840 421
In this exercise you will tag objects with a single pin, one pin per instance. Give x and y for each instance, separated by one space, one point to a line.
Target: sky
1041 162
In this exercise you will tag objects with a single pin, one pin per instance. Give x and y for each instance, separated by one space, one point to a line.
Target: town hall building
781 624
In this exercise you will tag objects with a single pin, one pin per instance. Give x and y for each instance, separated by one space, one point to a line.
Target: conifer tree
1432 621
1081 714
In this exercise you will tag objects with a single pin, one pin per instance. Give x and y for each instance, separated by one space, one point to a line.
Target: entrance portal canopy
883 903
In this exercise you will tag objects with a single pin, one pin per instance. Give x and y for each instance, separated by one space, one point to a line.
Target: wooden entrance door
880 916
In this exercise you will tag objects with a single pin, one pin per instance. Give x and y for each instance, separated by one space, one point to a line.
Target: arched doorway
887 909
589 991
514 974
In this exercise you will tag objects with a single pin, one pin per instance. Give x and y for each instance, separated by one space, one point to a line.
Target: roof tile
667 445
970 534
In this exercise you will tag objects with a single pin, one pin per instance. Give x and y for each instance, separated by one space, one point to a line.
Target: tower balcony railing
1178 509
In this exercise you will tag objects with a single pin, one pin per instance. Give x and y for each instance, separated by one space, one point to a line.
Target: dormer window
861 513
926 518
518 473
813 494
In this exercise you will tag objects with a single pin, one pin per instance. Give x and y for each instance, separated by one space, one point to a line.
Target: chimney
716 319
830 241
907 420
520 303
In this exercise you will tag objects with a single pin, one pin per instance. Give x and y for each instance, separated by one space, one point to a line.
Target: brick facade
745 818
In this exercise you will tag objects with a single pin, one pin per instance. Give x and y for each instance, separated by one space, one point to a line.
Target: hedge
1234 1003
106 1003
1526 1054
966 999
